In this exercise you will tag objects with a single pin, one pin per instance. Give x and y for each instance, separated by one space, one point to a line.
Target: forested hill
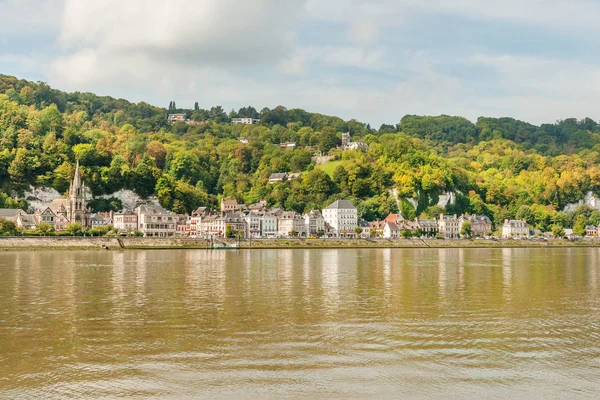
499 167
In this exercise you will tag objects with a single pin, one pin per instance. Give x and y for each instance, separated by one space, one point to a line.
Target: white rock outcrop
590 200
38 197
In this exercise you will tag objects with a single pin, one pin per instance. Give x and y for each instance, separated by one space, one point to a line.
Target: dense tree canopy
500 167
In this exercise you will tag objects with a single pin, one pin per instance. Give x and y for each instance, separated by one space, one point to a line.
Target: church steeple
77 177
77 200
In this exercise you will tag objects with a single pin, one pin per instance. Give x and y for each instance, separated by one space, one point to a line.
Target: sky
372 60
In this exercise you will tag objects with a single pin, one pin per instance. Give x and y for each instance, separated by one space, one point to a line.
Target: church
74 208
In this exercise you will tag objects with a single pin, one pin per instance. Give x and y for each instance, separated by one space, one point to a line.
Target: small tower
345 139
77 205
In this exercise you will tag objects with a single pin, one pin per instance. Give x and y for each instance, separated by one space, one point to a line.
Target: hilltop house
177 117
244 121
278 177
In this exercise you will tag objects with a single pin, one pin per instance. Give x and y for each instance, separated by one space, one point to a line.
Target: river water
318 324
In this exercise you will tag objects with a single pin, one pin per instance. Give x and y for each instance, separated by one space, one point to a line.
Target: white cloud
134 40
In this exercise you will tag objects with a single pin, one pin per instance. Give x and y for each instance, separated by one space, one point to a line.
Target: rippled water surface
372 323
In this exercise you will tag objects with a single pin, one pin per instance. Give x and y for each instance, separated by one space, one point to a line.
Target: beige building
289 222
481 225
229 205
515 229
428 227
27 221
125 221
449 226
154 221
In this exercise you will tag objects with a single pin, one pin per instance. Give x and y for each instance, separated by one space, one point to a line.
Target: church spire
77 177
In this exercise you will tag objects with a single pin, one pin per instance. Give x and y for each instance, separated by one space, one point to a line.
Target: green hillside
500 167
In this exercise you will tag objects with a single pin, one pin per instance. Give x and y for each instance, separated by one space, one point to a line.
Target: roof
125 212
57 205
28 219
377 224
516 223
392 225
450 218
394 218
314 214
10 212
278 176
146 209
289 215
364 224
230 201
341 205
234 217
476 218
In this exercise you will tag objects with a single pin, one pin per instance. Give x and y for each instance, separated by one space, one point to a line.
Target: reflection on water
387 323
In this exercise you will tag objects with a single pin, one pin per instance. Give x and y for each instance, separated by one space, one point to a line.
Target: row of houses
151 221
339 219
446 226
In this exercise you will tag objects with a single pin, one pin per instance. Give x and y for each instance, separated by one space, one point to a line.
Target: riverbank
124 243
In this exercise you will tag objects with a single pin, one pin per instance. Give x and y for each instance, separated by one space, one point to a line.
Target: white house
125 221
514 229
342 216
254 222
156 221
177 118
391 231
315 223
244 121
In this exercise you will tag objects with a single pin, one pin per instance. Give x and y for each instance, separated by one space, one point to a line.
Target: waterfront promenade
123 243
